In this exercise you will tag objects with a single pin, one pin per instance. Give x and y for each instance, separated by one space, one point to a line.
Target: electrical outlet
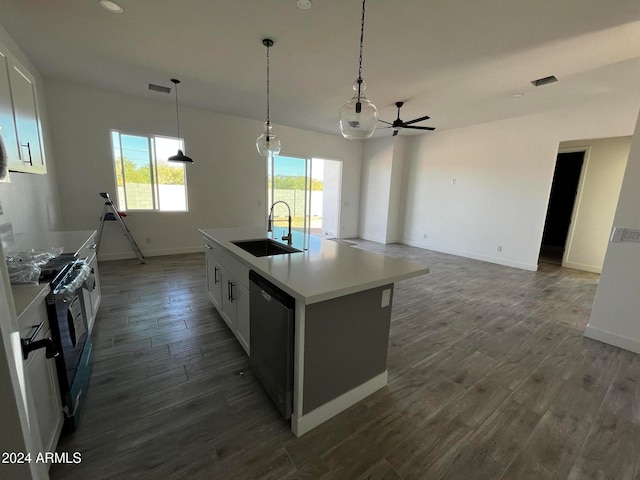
148 239
424 236
499 249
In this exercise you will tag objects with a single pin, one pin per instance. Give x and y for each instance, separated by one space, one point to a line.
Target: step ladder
111 213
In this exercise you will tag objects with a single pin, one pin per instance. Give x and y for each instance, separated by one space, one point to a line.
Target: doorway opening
311 187
566 179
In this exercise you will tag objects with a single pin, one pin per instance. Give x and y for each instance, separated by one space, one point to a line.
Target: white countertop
71 242
323 270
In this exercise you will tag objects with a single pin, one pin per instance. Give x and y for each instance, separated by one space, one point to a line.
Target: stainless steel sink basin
264 247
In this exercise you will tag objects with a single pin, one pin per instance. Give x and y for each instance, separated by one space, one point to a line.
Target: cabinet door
96 295
229 293
7 122
214 282
27 121
44 403
242 317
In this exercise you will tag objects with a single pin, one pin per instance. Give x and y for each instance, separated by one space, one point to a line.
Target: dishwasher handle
265 295
272 291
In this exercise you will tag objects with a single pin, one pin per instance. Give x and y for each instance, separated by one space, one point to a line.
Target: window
146 179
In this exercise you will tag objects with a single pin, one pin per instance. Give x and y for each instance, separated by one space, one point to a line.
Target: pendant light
358 117
268 144
179 157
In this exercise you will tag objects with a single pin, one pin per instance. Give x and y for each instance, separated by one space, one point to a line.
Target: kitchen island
343 298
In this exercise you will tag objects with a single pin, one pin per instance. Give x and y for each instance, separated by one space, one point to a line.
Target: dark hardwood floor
489 378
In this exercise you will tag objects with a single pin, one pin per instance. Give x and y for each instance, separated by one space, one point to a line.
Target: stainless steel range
69 332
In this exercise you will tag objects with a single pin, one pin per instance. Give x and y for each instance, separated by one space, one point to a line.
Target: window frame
153 170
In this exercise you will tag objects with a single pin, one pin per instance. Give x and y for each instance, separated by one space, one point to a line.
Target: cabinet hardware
215 275
208 246
31 344
28 146
93 246
230 286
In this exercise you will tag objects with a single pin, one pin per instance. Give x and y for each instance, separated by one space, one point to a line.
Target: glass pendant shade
268 144
358 117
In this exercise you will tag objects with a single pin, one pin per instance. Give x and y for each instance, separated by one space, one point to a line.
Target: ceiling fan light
358 117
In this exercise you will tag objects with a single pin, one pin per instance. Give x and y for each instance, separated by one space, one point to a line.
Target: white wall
614 317
226 184
331 202
396 194
377 163
596 201
503 172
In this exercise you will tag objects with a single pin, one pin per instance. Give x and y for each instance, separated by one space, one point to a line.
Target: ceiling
458 61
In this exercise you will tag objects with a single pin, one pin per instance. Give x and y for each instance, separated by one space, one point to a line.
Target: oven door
69 330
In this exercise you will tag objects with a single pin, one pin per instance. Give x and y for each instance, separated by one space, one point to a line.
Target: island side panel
345 344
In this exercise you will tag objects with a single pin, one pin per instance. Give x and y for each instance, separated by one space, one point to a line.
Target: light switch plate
621 234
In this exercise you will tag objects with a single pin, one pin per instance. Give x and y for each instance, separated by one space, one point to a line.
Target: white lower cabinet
43 393
227 289
91 288
242 316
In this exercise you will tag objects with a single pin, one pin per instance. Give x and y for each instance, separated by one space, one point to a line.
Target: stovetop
49 270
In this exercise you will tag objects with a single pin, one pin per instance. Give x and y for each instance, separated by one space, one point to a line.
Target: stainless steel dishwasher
272 323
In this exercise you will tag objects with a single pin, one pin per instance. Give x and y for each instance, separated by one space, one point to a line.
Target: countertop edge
306 297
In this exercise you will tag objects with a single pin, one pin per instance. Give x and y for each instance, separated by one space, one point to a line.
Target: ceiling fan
398 124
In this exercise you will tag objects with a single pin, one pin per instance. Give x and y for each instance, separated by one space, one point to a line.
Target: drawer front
238 270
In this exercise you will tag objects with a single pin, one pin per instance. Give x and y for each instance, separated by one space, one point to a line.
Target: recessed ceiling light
304 4
517 95
110 6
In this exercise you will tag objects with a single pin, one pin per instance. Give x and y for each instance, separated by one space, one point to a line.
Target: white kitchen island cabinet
343 298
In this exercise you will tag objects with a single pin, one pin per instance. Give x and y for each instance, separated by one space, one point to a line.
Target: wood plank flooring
489 378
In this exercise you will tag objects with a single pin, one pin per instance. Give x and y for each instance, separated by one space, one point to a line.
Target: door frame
308 170
586 149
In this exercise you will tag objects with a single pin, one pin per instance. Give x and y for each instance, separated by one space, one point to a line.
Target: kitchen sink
264 247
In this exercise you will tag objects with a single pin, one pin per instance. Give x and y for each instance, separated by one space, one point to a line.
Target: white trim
104 257
301 425
612 339
577 201
475 256
582 266
298 359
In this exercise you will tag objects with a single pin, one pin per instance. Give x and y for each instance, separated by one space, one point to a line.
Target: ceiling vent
544 81
159 88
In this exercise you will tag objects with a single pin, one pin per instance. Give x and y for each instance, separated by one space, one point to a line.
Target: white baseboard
105 257
583 267
614 339
476 256
301 425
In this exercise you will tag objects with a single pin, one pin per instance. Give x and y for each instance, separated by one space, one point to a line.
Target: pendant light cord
177 111
268 121
360 59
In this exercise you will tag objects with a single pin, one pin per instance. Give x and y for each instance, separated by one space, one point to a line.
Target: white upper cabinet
7 123
20 121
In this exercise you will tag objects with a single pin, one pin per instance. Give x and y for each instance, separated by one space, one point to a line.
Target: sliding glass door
311 188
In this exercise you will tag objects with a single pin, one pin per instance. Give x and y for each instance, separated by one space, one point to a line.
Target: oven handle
31 344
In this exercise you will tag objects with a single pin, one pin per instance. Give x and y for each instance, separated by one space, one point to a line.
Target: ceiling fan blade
416 120
388 123
395 132
419 128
